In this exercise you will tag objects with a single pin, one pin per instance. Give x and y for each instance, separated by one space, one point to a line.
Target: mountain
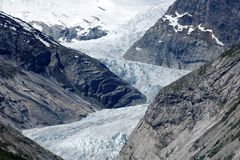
196 117
67 34
14 146
102 134
111 48
68 20
44 83
190 34
108 49
124 34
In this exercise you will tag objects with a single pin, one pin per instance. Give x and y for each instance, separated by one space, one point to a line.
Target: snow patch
190 30
43 41
213 36
23 24
13 28
38 27
138 48
217 40
173 21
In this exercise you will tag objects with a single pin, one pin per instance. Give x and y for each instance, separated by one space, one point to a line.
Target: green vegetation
234 125
236 136
202 70
217 147
233 108
198 158
213 151
4 155
231 52
196 144
217 143
229 157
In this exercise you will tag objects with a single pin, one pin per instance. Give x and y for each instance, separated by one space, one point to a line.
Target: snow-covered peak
116 43
15 23
70 13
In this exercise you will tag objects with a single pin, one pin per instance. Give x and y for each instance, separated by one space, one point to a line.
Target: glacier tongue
102 134
110 49
99 136
148 79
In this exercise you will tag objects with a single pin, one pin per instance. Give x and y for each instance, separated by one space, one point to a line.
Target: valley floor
99 136
102 134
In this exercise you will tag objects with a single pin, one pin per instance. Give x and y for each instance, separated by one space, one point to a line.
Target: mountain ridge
189 35
195 117
64 83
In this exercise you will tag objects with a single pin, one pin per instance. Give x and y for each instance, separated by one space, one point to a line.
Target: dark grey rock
67 34
44 83
196 117
93 33
189 49
14 142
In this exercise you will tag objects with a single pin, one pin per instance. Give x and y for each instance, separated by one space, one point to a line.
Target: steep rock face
196 117
46 78
15 146
28 100
67 34
81 34
190 34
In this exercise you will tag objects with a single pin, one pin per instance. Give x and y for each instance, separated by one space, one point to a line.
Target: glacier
99 136
147 78
119 39
70 13
102 134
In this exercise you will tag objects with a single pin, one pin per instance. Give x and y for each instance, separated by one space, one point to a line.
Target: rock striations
194 118
190 34
14 146
44 83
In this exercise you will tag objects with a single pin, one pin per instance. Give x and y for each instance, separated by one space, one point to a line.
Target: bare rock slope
14 146
44 83
194 118
190 34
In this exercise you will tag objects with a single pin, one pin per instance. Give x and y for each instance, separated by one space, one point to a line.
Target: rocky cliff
14 146
194 118
67 34
190 34
44 83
